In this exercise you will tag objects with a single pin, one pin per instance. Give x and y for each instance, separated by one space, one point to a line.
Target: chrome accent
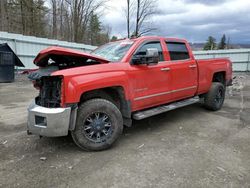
192 66
165 69
161 109
180 60
141 89
56 120
164 93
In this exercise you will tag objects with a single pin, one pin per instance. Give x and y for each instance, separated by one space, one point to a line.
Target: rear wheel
99 123
214 99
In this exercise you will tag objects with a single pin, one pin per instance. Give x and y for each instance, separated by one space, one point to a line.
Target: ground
187 147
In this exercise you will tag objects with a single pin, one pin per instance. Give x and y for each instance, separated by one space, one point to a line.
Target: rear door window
177 51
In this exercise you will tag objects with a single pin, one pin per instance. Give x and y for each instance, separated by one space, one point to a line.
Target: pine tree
210 44
222 44
114 38
94 29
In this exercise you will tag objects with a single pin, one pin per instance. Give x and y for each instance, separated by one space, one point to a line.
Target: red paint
139 81
63 51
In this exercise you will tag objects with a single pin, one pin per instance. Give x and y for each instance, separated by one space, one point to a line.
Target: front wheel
99 123
214 99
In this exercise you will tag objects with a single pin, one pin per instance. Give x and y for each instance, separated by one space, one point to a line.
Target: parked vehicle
93 96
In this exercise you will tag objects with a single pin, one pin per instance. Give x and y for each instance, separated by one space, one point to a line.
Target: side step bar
160 109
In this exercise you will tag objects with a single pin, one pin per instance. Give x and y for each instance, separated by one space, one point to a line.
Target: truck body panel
185 78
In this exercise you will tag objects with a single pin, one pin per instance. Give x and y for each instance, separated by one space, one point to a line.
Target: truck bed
206 70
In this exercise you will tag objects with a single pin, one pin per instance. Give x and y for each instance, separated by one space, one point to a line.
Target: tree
138 14
81 11
39 24
144 11
113 38
129 12
3 5
23 16
222 44
54 18
210 44
70 20
98 34
94 29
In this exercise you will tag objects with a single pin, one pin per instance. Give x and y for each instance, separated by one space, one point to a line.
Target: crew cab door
150 83
183 70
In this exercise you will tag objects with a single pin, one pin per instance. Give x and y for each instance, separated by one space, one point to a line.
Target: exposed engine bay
66 61
50 91
50 87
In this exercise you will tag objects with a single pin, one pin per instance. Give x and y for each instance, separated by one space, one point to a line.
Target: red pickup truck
93 95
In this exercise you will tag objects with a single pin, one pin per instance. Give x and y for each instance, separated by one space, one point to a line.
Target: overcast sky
194 20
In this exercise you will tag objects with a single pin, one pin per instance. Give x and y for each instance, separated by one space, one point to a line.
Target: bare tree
59 19
80 12
54 18
145 9
3 4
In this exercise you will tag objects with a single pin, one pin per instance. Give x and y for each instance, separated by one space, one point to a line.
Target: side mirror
151 57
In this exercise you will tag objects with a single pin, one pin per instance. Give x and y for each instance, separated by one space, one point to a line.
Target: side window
142 49
177 50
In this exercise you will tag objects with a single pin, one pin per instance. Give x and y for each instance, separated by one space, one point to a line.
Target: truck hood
58 52
94 69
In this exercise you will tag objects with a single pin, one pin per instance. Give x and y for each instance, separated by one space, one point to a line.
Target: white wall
239 57
27 47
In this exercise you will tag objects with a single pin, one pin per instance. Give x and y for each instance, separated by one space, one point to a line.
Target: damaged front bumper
50 122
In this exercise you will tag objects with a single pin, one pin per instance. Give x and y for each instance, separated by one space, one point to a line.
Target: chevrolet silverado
93 95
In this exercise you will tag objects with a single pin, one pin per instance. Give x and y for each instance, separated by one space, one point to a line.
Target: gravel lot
188 147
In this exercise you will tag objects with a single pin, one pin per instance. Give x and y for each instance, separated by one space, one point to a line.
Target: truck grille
50 92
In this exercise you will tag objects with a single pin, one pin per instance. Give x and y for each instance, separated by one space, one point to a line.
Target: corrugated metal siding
27 47
239 57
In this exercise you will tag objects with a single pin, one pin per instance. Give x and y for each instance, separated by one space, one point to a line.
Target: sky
193 20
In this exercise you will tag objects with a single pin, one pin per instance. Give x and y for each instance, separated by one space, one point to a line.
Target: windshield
113 51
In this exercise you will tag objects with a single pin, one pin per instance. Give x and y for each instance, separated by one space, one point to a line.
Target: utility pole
128 17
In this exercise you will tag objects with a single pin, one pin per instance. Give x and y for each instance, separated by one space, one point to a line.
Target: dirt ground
188 147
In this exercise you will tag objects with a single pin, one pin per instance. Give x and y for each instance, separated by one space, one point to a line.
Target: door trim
164 93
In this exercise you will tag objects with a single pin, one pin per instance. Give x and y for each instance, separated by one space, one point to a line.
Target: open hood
64 55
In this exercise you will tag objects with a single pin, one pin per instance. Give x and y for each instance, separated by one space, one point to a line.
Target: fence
239 57
27 47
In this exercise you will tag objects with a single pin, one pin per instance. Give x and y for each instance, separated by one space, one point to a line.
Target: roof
155 38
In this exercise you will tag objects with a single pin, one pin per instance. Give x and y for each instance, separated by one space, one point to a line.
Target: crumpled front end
47 115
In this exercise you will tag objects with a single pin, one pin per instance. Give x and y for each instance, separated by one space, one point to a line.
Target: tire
98 125
214 99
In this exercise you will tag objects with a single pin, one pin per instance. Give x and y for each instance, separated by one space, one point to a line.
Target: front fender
77 85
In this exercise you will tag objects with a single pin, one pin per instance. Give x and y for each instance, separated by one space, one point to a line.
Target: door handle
165 69
192 66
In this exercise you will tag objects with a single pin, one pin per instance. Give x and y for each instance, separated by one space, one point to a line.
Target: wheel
98 125
214 99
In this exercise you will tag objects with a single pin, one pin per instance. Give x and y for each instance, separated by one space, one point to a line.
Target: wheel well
220 77
115 95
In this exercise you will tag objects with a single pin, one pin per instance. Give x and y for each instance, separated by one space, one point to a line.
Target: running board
160 109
